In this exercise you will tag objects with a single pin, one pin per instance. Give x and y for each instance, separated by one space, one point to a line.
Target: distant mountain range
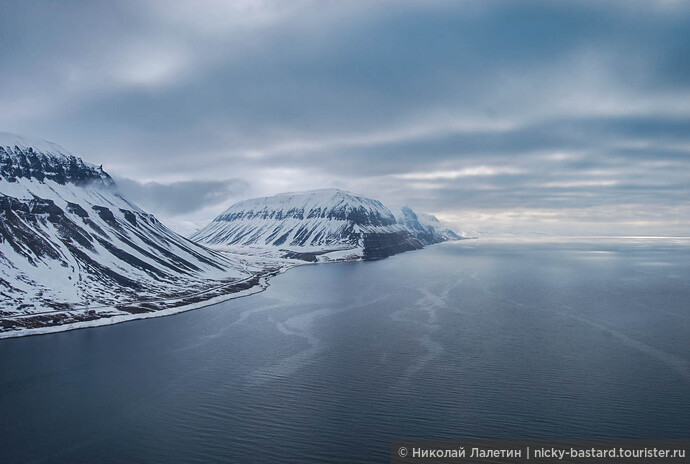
329 222
74 252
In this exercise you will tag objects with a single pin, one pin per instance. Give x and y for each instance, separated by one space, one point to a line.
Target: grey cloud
358 94
179 198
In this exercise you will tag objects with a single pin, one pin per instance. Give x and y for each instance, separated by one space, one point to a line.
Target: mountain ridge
320 221
69 242
74 252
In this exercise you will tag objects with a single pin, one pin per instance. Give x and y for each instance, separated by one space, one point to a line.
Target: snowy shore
266 263
113 315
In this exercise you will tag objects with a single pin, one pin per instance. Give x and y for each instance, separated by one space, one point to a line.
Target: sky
500 117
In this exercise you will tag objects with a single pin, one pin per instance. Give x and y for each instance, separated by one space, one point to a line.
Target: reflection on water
482 338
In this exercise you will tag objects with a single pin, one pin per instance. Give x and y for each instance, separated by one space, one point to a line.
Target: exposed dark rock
130 217
77 209
309 257
42 206
18 162
382 245
106 215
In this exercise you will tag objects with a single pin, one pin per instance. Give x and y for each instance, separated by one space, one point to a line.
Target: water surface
483 338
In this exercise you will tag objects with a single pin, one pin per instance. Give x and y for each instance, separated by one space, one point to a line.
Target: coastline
262 284
118 314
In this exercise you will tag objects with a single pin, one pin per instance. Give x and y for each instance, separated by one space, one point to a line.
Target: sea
490 338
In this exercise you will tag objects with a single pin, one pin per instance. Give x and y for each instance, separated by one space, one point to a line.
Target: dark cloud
178 198
534 109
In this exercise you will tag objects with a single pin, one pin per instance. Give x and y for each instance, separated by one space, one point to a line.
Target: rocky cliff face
22 162
377 246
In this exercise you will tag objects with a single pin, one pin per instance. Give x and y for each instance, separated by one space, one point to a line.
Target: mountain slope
425 227
69 240
316 222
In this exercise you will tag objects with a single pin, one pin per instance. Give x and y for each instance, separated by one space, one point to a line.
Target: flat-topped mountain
320 221
75 252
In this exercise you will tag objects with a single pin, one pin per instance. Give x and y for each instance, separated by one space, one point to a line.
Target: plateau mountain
331 223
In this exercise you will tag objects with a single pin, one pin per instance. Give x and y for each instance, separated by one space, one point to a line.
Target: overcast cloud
500 116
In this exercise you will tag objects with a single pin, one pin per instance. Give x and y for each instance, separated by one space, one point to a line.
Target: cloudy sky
497 116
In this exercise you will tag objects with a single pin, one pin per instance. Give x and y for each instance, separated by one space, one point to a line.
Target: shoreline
262 285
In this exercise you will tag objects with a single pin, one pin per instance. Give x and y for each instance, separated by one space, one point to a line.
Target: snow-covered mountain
425 227
69 240
319 221
74 252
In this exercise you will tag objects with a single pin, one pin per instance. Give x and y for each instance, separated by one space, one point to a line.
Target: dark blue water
483 338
